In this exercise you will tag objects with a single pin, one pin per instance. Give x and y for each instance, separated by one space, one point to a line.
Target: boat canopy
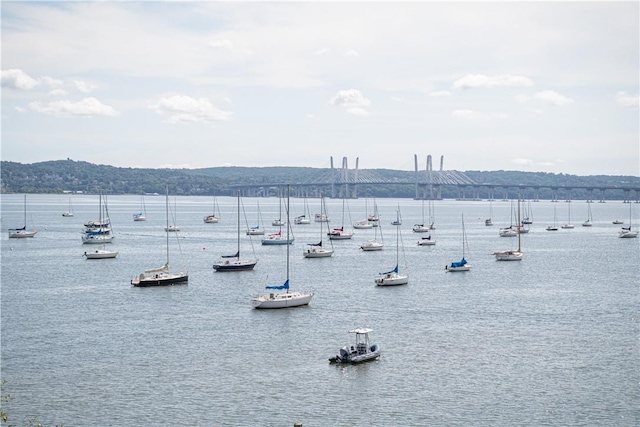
280 287
395 270
460 263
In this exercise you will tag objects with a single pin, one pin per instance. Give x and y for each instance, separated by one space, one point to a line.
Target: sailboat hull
391 279
100 254
162 279
282 300
20 234
318 253
235 265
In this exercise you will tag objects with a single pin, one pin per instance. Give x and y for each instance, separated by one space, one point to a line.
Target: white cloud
475 115
351 53
352 101
522 161
323 51
627 100
87 107
83 86
221 44
440 93
18 79
185 109
58 92
480 80
553 98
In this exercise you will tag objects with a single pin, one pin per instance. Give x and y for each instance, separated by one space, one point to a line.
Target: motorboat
362 351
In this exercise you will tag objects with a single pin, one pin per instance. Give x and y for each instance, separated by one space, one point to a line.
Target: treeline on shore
60 176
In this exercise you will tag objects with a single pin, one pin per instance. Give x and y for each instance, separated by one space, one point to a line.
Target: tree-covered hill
68 175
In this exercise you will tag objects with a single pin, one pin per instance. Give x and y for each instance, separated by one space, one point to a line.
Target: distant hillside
68 175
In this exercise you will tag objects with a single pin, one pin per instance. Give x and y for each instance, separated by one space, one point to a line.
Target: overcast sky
536 86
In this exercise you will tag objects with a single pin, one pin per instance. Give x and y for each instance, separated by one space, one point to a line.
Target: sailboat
368 222
142 215
213 218
316 250
421 228
99 232
393 277
277 238
279 222
257 230
69 213
234 262
463 264
282 299
488 221
172 227
509 231
511 255
528 215
305 218
340 233
625 232
589 221
17 233
102 253
568 224
161 276
554 227
374 244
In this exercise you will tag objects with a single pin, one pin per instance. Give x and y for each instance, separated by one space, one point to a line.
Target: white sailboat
568 224
18 233
625 232
234 262
589 220
101 253
214 217
421 228
511 255
488 221
374 244
340 233
393 277
367 223
69 213
173 227
316 250
142 215
100 231
305 218
277 238
257 230
463 264
287 298
161 276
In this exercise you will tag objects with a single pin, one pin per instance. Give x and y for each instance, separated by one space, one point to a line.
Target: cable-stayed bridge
339 182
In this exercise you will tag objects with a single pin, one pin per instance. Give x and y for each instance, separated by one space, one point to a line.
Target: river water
550 340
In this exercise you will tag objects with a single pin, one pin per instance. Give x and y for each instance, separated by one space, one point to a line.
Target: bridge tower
344 179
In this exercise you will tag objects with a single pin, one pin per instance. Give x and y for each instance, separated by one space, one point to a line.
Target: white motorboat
362 351
287 298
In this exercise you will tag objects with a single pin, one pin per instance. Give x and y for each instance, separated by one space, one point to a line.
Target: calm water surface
550 340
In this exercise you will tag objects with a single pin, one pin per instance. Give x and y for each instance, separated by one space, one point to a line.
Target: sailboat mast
463 236
518 227
288 225
25 211
167 219
238 224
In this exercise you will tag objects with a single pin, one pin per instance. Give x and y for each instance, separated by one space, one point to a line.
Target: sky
531 86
